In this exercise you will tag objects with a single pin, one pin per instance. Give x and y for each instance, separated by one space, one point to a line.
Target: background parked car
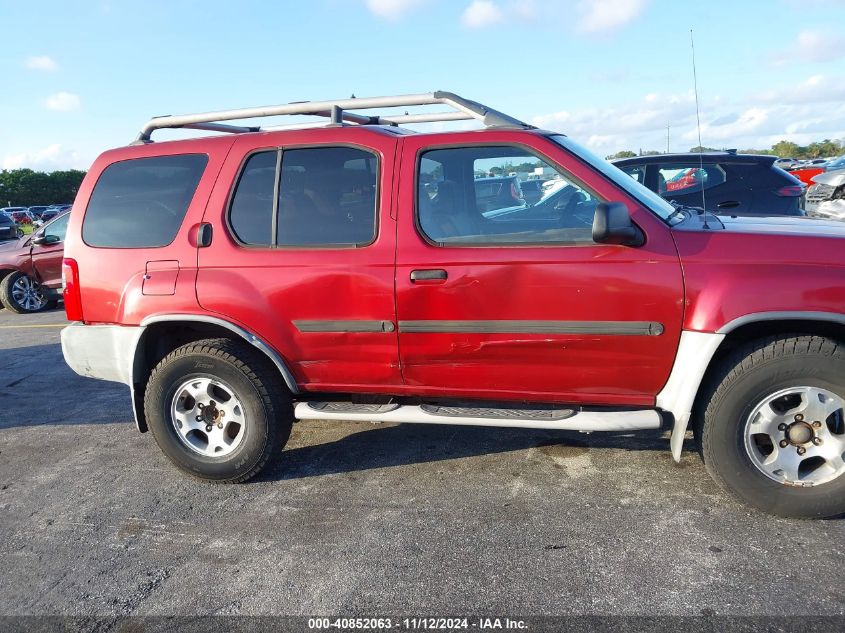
826 197
31 268
9 229
532 190
37 211
733 184
786 163
497 193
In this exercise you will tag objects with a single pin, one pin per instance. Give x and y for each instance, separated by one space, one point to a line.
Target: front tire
217 410
23 295
773 428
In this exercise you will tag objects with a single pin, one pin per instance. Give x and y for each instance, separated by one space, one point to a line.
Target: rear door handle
434 274
728 204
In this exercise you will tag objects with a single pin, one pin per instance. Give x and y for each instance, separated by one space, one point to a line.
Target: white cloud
41 62
49 158
482 13
63 102
812 46
608 15
393 9
791 112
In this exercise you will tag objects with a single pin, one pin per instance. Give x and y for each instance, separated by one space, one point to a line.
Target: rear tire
772 430
218 410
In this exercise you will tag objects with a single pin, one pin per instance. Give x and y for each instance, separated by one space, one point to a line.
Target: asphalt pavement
366 519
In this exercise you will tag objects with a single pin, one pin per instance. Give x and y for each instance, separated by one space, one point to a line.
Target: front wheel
22 294
773 430
218 410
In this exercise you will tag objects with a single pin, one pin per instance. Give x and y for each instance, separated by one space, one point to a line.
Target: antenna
698 124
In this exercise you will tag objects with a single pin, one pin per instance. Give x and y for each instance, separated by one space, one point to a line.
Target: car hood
766 225
784 225
832 178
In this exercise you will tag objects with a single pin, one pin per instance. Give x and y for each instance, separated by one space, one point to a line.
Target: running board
561 419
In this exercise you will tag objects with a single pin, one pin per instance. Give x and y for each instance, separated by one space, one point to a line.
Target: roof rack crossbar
338 112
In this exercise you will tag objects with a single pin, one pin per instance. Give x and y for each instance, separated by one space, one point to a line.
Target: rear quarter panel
111 278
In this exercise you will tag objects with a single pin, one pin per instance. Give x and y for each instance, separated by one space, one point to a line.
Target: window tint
251 214
488 195
637 172
327 196
141 203
681 179
58 228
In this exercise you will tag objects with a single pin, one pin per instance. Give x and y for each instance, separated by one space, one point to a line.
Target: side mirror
45 239
612 225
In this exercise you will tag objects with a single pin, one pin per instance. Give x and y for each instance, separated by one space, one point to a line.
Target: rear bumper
106 352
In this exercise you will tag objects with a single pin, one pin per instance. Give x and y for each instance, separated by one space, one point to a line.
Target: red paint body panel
806 174
111 279
732 274
693 279
559 283
266 289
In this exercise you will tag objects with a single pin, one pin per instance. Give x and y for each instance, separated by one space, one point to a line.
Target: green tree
625 153
786 149
25 187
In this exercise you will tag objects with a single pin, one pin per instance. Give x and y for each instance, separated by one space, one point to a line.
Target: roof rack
338 113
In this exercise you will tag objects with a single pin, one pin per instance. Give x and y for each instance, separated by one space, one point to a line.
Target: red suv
31 268
241 281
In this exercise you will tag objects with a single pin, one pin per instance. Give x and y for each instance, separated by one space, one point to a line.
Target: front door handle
728 204
433 274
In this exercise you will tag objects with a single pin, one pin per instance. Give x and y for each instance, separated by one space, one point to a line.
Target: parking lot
366 519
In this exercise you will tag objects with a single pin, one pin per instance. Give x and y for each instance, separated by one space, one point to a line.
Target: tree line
782 149
26 188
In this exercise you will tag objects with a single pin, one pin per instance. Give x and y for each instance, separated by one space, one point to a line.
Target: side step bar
561 419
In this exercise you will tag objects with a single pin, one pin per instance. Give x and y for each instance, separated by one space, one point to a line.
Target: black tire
8 300
267 404
747 377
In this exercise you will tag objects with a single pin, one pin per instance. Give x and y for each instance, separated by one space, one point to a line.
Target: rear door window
682 179
140 203
306 197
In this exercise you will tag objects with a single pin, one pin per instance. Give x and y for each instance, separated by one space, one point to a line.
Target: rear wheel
217 409
773 431
22 294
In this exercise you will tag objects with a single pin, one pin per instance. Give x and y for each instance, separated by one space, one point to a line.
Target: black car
8 228
732 184
50 213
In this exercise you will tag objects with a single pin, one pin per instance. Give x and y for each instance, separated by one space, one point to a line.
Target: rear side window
141 203
321 196
687 178
251 215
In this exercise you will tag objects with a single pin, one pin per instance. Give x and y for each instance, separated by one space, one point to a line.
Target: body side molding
621 328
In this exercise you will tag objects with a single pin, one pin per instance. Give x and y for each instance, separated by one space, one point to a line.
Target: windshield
641 193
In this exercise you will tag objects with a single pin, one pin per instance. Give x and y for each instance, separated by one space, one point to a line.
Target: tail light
790 191
71 291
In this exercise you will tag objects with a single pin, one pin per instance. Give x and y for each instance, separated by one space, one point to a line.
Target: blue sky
81 77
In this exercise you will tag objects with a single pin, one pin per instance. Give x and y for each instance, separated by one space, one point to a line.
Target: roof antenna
698 123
